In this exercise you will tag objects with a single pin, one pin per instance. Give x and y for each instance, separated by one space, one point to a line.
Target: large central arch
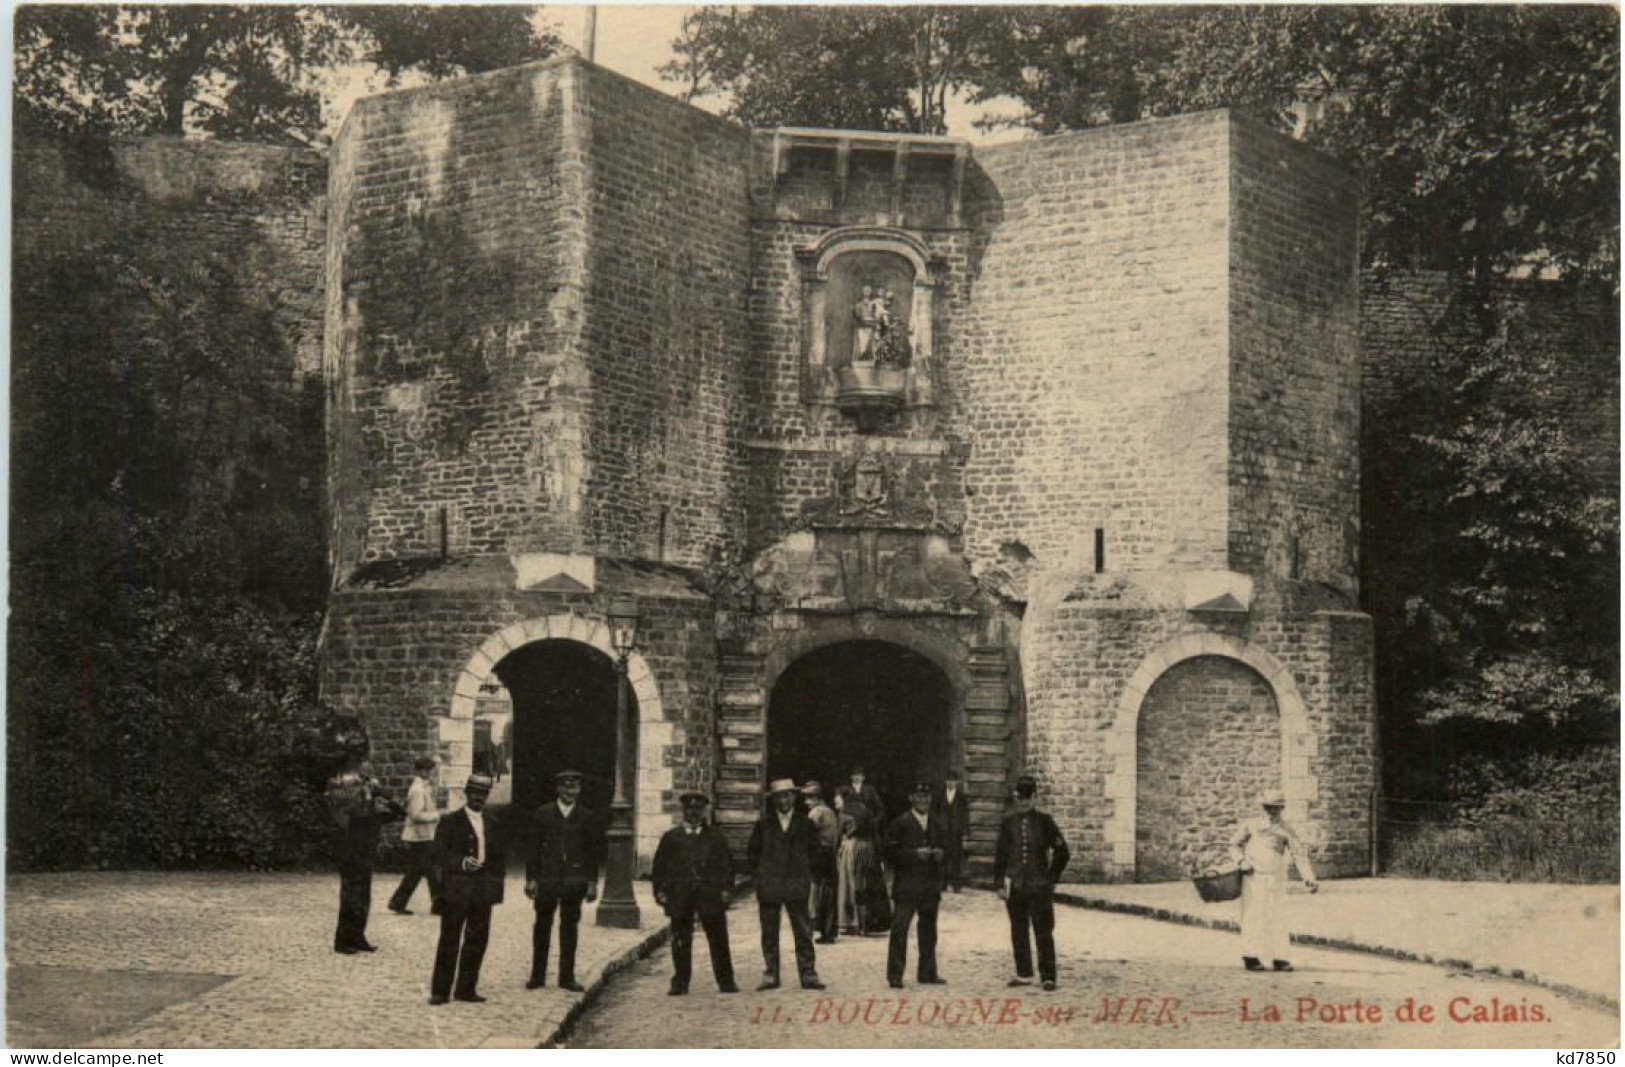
868 702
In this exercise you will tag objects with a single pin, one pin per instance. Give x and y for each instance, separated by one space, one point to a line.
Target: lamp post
618 906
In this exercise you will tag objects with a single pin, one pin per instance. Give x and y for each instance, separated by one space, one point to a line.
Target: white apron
1271 849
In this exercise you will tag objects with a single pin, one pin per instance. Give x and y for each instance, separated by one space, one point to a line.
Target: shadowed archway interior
563 716
861 702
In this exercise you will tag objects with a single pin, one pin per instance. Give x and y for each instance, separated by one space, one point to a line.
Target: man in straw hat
915 851
561 872
1030 857
783 852
1264 848
472 866
693 876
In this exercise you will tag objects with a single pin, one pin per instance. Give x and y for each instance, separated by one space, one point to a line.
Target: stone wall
668 251
409 659
540 320
256 210
1096 347
1294 361
1093 650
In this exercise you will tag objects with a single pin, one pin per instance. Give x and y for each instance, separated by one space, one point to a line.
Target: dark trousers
715 924
897 953
355 902
954 865
469 925
800 930
826 915
568 906
420 867
1036 908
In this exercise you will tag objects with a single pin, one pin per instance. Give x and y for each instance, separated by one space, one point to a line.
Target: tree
882 68
243 73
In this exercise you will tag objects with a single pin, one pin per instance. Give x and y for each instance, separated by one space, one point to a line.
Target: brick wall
1095 346
1294 360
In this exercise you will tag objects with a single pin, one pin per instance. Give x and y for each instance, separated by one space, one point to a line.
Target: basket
1217 886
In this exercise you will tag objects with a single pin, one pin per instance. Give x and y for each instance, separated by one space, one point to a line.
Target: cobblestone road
1191 982
270 936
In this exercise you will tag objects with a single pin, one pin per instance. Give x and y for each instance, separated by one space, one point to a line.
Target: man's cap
812 789
857 769
689 798
479 783
1272 798
782 785
1026 786
920 789
567 776
951 773
423 763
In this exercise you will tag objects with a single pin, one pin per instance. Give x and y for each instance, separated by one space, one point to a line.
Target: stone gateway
1035 458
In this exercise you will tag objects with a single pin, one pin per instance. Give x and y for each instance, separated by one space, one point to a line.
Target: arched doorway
563 695
861 702
1209 742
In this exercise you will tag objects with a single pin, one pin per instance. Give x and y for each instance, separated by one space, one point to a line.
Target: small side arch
1298 745
653 776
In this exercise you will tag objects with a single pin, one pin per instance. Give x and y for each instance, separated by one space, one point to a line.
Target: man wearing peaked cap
473 864
1026 865
693 877
561 871
914 848
783 852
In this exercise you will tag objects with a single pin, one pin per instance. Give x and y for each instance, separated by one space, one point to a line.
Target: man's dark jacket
454 840
1048 858
783 860
914 878
564 852
955 817
693 869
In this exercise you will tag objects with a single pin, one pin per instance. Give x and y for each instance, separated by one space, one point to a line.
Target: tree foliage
880 68
249 73
166 563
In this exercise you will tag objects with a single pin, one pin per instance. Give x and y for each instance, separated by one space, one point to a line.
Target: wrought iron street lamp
619 907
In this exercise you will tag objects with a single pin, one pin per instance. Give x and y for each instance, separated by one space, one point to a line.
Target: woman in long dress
1264 848
860 889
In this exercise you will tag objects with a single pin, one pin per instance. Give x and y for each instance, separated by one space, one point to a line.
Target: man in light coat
417 833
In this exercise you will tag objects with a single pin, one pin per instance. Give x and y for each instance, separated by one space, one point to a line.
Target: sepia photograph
813 527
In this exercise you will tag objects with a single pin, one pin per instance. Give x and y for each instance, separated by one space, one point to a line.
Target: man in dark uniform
561 872
783 851
915 851
1029 861
693 876
953 810
473 863
359 808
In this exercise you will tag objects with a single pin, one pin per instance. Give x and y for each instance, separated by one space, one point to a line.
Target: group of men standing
797 855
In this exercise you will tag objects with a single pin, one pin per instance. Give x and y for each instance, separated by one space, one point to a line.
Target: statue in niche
867 493
878 334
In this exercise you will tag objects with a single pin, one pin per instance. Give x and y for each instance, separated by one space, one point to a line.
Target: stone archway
654 777
1298 742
